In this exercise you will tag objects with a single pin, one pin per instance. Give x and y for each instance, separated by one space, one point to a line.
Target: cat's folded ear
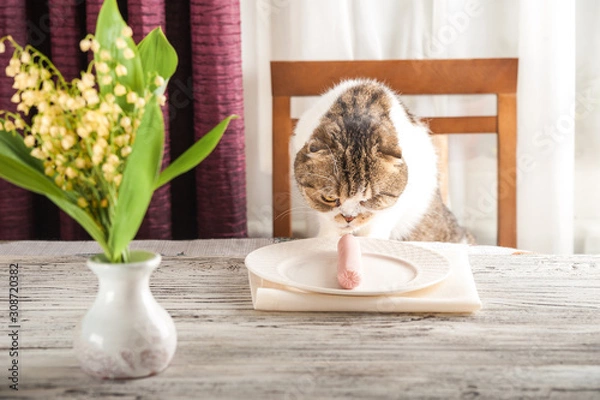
392 155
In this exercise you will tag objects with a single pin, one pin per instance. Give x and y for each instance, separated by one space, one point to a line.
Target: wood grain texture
507 169
282 198
448 125
458 76
538 336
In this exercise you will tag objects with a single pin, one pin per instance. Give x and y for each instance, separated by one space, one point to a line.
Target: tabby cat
368 167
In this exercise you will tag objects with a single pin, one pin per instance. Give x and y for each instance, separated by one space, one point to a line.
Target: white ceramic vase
126 333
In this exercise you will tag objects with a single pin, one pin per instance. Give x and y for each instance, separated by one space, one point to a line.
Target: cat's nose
348 218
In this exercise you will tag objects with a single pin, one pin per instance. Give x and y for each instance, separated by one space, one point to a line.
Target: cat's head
352 165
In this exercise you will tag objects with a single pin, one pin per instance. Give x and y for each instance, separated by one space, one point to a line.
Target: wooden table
538 335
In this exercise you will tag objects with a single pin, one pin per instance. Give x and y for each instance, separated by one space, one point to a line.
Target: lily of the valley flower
82 137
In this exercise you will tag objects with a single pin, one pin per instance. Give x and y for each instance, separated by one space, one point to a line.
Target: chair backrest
411 77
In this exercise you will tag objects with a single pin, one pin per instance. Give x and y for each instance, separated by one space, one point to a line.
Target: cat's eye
329 199
314 145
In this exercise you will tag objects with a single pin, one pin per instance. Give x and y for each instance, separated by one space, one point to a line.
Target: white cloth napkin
455 294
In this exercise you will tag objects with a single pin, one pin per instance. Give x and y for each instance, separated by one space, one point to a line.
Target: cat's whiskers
300 210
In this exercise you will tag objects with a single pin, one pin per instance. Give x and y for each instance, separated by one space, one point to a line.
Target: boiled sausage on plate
349 265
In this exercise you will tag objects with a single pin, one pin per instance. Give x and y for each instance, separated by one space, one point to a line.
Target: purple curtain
16 205
145 15
217 66
208 202
64 23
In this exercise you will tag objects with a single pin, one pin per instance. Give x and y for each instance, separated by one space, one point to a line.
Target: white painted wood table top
537 336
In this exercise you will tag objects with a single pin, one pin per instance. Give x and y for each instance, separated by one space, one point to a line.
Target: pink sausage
349 263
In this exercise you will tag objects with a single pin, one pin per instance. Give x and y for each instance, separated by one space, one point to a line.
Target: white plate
311 265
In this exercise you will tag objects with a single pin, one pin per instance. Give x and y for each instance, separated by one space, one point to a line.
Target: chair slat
449 125
282 202
454 125
507 170
464 76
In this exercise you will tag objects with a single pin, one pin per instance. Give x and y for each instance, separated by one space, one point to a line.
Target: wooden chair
411 77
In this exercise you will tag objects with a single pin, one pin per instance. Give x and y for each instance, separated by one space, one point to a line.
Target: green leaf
109 28
158 56
195 154
82 218
13 144
139 178
20 171
19 168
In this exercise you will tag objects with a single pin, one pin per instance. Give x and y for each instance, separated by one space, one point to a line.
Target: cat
367 166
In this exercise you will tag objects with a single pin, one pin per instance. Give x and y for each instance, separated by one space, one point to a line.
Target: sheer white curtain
558 45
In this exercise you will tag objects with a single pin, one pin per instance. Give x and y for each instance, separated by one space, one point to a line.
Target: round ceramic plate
311 265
